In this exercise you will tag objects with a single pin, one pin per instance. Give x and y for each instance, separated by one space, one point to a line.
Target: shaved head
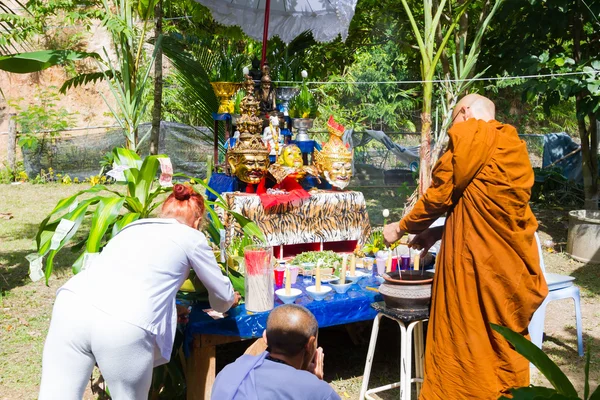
289 328
474 106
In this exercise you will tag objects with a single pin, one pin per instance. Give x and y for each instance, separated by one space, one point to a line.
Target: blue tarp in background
558 145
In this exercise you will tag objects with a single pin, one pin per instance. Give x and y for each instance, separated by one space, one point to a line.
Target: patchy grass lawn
25 307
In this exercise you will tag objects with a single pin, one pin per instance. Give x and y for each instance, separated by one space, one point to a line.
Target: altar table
203 333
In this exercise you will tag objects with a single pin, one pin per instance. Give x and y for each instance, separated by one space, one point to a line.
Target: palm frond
84 79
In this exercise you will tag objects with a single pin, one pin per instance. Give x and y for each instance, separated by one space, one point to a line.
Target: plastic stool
409 322
559 287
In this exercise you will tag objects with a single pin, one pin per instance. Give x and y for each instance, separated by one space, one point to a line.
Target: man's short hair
289 327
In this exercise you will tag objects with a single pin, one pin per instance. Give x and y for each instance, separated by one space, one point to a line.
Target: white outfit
81 335
134 282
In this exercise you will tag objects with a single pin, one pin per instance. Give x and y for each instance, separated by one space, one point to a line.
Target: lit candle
417 260
288 281
388 263
353 266
318 277
343 271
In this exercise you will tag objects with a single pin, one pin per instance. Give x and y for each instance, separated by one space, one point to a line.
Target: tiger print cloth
326 216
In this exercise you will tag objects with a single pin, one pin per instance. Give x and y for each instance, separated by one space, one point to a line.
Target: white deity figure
272 136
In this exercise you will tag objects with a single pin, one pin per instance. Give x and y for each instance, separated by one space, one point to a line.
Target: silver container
302 125
284 94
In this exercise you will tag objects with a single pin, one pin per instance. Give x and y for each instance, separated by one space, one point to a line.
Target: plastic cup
279 275
404 262
394 263
307 270
380 262
368 263
294 271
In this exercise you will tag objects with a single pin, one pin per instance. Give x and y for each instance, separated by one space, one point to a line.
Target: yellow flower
305 114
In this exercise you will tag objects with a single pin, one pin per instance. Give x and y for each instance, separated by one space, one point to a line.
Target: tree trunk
425 152
11 151
589 152
158 84
589 136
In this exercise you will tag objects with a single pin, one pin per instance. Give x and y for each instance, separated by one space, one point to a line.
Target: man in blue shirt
291 368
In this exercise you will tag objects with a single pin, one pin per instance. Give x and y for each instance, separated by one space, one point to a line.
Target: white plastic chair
559 287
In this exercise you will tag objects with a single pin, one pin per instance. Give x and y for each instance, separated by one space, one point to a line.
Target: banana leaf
538 358
35 61
536 393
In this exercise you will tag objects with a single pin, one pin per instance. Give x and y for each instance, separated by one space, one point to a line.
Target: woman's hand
316 366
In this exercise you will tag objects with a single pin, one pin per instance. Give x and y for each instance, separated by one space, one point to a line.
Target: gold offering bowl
224 91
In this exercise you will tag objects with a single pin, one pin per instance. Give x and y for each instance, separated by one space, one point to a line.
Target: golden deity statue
248 159
334 161
290 163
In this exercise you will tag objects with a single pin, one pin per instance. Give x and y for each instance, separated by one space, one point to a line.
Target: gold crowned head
333 151
334 161
249 158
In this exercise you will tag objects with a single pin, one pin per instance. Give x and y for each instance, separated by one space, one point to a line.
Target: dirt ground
25 307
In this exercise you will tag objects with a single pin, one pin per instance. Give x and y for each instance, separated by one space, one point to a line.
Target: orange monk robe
488 266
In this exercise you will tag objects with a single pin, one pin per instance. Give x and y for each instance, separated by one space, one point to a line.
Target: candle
288 281
318 277
388 263
353 266
417 259
343 271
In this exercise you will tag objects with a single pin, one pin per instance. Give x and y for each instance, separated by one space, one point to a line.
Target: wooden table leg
201 366
200 370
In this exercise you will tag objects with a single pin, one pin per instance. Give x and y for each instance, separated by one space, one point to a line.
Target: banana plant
108 211
562 389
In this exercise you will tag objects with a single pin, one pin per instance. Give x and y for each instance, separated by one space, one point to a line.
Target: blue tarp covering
558 145
335 309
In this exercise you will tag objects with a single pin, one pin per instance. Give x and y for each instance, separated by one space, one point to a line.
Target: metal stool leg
407 378
419 356
370 354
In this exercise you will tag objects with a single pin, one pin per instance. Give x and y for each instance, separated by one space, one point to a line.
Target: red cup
279 275
394 263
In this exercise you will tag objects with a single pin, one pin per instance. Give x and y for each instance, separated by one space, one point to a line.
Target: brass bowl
224 91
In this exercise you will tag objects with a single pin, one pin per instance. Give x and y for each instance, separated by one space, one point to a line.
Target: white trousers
81 335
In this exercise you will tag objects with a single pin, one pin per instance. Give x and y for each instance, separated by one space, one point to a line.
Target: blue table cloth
335 309
307 146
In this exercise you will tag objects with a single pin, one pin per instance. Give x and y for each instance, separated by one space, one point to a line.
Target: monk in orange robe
488 267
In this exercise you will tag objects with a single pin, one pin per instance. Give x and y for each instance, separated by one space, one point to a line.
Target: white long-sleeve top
136 277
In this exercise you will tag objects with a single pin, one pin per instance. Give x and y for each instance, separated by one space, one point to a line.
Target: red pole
265 34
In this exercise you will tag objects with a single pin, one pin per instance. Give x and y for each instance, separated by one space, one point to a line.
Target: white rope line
498 78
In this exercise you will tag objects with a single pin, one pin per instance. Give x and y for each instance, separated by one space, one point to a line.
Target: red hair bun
182 192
